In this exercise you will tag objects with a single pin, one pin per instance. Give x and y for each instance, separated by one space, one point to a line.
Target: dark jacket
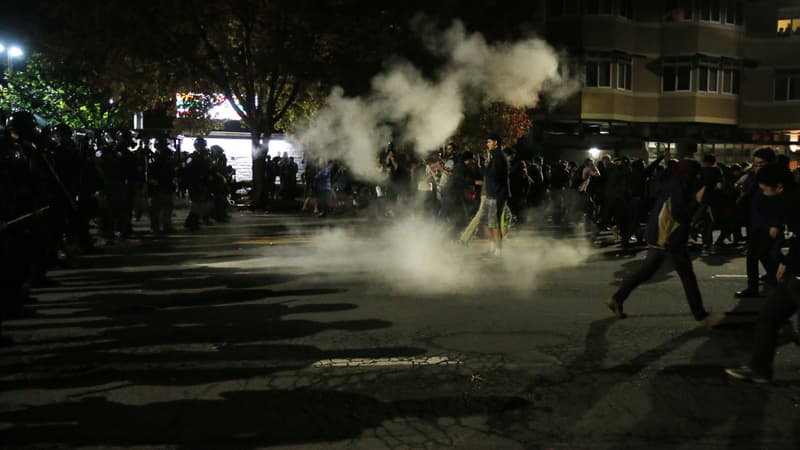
758 219
496 176
791 238
669 221
617 181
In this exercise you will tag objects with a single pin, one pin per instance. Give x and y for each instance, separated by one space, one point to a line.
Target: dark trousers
759 245
161 205
652 262
779 307
618 210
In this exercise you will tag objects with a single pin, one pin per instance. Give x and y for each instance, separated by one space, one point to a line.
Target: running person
667 235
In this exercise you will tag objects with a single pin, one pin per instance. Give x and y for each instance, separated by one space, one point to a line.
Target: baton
27 216
60 183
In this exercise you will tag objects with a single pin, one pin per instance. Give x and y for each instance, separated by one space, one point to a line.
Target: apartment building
717 76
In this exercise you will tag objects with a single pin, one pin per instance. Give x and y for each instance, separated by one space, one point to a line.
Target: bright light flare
594 152
15 52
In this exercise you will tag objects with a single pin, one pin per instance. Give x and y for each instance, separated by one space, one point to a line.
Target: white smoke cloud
429 111
417 256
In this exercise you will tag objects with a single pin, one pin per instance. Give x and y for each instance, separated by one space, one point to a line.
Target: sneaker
616 308
747 293
711 320
745 373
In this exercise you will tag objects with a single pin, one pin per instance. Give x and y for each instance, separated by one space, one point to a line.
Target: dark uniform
198 176
161 187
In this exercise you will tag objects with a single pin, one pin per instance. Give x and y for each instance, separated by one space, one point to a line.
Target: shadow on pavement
636 405
106 356
239 419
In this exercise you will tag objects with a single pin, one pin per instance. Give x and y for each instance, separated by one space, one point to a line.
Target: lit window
676 78
796 26
784 27
624 73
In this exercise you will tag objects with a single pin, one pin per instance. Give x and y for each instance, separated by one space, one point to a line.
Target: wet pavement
255 334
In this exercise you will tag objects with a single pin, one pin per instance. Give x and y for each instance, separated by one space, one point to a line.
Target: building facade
710 76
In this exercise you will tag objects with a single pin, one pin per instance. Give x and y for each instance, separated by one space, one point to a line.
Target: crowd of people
57 183
611 194
661 205
65 192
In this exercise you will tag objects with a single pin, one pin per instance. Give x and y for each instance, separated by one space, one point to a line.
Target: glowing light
594 152
15 52
239 153
221 108
794 147
2 48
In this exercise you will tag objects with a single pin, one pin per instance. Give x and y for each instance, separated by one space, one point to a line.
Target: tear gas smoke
427 112
417 256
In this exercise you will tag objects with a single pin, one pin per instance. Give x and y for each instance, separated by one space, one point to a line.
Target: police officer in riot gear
161 187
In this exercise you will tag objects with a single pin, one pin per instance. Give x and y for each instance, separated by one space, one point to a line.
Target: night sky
15 23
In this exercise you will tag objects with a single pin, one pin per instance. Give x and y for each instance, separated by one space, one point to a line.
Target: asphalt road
297 332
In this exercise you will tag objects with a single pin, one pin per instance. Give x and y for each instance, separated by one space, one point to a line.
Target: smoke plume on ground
428 111
418 256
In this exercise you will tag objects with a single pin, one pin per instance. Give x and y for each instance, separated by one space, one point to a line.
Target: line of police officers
54 184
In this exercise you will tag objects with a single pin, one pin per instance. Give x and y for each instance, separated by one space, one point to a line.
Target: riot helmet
23 124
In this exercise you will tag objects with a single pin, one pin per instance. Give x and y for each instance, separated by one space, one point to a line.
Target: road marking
383 362
728 276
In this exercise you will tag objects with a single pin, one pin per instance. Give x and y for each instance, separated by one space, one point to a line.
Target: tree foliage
270 58
511 123
60 91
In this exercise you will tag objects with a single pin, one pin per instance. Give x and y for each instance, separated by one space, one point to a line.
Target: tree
266 56
511 123
59 90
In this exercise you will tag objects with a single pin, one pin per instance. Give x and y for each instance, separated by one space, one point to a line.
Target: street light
11 53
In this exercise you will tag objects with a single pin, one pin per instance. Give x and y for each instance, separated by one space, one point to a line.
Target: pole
24 217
